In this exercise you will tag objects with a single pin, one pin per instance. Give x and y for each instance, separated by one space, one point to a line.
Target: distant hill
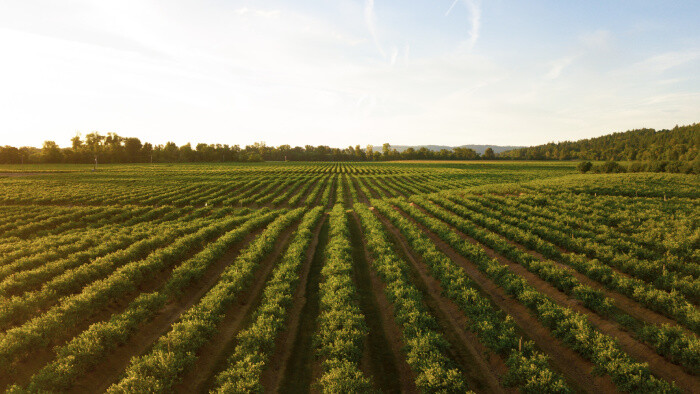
678 144
436 148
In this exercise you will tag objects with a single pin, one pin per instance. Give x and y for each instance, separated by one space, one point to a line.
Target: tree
369 152
132 149
76 142
51 153
584 166
385 150
488 154
147 150
170 152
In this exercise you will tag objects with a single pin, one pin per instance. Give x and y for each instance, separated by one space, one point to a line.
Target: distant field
348 277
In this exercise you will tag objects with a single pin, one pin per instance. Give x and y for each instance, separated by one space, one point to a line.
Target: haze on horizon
448 72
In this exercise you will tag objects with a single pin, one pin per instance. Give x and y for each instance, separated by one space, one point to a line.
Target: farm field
348 277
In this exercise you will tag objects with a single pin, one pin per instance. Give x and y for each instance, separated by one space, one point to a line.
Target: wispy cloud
451 7
370 20
394 55
559 65
665 61
474 8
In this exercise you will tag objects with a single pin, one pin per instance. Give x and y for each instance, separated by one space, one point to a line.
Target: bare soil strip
301 366
638 350
284 345
386 189
360 193
481 367
305 194
211 358
373 193
39 357
383 358
108 372
575 369
623 302
20 174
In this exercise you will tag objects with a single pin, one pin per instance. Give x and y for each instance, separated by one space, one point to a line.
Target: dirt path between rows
622 301
211 358
383 354
373 193
360 194
577 370
273 373
387 189
109 371
40 356
564 250
22 174
659 365
300 366
480 366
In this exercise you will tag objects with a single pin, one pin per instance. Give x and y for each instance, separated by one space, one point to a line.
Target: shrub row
683 345
41 330
671 304
255 344
527 368
95 344
341 328
571 327
176 351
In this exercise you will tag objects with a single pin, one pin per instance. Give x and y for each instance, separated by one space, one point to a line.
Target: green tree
584 166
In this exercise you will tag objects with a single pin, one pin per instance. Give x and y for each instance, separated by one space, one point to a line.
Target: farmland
348 277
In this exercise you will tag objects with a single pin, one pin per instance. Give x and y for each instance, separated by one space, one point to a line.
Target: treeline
112 148
676 148
679 144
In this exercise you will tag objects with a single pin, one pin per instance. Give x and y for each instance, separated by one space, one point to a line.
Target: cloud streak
370 20
474 8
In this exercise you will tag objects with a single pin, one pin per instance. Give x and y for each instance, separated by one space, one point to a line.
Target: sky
339 73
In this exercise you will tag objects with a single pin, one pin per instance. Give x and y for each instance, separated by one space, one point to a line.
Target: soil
21 174
383 355
373 193
300 366
306 192
576 370
40 356
638 350
273 374
108 371
481 366
211 358
360 194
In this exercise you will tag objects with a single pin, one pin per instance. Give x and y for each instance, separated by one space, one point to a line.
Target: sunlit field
348 277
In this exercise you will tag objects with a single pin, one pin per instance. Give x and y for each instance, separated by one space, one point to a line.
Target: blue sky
346 72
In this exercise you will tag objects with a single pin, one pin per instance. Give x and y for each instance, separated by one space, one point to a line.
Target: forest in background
674 150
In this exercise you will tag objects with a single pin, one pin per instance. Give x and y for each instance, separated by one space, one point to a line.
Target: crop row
93 345
341 327
528 368
652 271
678 348
16 342
571 327
672 304
256 343
176 351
